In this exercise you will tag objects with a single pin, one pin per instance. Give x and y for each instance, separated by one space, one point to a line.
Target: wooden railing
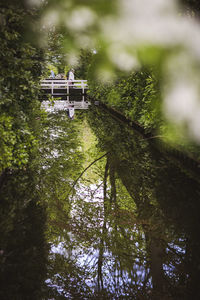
63 84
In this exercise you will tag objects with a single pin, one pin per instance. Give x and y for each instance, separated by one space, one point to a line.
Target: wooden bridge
63 89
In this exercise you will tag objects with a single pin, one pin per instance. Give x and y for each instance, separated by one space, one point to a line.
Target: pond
99 213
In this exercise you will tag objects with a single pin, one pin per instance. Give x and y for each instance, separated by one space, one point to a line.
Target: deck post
82 84
83 100
52 88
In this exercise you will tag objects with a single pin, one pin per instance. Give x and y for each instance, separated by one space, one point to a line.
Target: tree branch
75 182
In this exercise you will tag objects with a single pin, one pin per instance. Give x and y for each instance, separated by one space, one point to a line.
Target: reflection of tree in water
167 204
125 233
95 240
22 242
25 195
103 240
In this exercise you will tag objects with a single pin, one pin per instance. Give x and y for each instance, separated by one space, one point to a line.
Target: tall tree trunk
154 248
106 206
113 196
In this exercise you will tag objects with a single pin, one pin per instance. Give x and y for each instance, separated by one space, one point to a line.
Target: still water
99 213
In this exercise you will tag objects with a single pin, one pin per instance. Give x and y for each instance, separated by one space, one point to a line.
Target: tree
162 211
83 65
20 72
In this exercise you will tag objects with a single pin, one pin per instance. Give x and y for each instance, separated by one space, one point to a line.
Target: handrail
54 79
62 83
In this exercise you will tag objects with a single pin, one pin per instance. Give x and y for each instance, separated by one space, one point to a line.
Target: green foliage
20 64
157 206
136 96
60 164
111 29
22 236
151 116
55 55
83 64
66 70
52 67
191 6
8 139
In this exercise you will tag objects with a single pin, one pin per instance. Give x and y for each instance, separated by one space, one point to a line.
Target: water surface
100 213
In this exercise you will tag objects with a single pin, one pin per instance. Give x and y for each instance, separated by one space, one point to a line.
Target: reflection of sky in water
92 242
86 255
59 289
53 107
89 262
